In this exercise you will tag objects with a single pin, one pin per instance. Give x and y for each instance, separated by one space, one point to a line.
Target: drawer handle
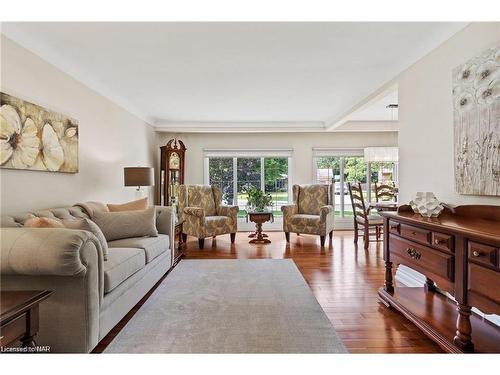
438 241
413 253
476 253
414 233
395 227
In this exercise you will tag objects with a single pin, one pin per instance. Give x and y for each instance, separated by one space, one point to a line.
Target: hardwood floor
343 277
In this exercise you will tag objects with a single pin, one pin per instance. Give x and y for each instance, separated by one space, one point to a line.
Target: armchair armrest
289 209
194 211
230 211
325 211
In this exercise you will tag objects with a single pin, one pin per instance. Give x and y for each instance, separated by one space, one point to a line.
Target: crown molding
239 127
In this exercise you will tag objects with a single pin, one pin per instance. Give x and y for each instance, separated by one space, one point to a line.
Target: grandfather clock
171 171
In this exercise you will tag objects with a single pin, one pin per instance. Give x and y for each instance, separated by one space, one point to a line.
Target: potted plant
258 200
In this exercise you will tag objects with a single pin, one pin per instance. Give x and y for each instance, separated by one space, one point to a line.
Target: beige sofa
90 295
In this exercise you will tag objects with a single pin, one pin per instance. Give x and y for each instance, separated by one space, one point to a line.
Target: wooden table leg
388 284
429 285
260 237
463 338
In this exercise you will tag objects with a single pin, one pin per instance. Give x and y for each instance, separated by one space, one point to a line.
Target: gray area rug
230 306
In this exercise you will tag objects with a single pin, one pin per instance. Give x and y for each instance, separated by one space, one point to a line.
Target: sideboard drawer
443 241
414 233
423 258
483 254
483 289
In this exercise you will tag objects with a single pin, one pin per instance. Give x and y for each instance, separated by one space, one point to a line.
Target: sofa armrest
165 223
195 211
47 251
229 211
67 262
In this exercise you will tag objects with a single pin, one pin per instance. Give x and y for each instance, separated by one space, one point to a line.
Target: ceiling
235 75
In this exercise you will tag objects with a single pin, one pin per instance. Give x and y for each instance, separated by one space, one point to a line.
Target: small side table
19 316
259 218
178 248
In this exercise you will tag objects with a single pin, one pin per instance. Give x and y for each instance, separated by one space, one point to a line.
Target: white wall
301 143
110 137
426 116
426 156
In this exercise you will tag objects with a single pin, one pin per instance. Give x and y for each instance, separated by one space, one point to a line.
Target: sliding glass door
340 170
350 167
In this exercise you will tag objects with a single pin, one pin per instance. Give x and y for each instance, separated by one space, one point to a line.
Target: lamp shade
138 176
381 154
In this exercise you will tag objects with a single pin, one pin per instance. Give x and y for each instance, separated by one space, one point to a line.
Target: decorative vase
426 204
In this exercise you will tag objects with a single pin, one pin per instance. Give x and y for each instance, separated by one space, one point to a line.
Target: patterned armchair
312 211
203 214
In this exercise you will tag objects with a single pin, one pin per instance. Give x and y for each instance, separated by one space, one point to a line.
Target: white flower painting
476 114
33 138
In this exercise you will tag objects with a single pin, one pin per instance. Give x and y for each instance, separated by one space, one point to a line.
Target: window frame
248 153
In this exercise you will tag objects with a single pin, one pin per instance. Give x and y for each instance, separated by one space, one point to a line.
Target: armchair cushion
311 198
215 225
304 220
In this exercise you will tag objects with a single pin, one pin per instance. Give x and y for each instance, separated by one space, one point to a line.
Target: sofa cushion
140 204
127 224
152 246
122 263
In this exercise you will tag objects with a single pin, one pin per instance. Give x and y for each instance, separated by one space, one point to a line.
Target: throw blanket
91 207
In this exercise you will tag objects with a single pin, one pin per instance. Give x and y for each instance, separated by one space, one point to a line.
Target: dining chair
362 219
385 192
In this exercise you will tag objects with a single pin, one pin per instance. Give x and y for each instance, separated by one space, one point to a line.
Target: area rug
230 306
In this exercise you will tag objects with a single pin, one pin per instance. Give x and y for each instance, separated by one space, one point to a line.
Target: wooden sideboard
458 253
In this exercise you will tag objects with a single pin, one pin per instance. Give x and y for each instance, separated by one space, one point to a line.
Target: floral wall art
34 138
476 110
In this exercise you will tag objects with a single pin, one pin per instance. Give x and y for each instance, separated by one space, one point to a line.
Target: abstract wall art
476 114
35 138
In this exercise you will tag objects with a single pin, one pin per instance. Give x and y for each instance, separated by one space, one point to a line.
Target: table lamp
138 176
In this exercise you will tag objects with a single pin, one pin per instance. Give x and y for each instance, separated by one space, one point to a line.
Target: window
238 170
221 175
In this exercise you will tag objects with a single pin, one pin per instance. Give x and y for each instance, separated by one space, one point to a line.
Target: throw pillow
127 224
90 226
43 222
140 204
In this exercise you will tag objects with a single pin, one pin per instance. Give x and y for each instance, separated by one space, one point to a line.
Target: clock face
174 161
